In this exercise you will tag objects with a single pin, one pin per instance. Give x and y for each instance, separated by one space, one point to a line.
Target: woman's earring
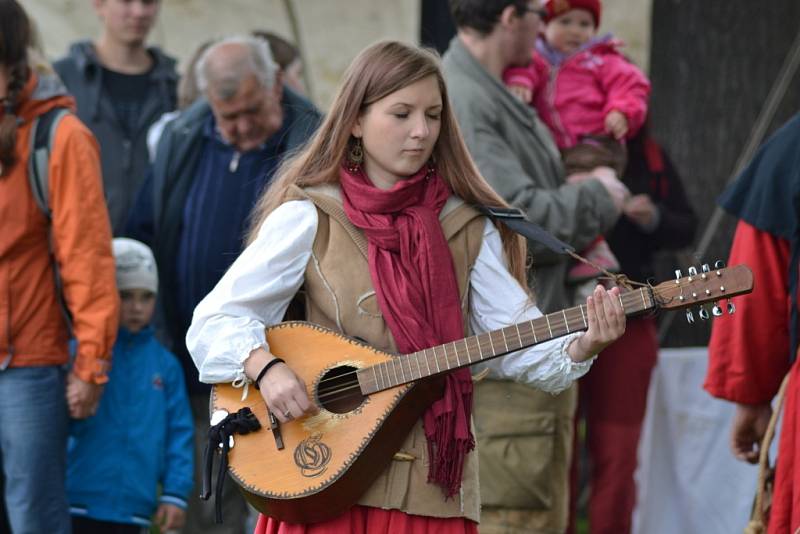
431 167
355 157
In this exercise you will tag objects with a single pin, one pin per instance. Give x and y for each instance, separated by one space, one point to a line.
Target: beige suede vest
340 296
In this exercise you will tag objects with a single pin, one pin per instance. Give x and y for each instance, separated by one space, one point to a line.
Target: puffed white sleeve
254 293
496 301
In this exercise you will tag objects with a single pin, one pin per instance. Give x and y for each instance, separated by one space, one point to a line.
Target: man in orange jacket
35 394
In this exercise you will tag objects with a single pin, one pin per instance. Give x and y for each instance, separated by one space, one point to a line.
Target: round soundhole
338 390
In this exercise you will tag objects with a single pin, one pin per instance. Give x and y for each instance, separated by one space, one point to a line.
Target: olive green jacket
517 155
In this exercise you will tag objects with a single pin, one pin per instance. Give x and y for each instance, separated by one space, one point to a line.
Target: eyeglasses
540 11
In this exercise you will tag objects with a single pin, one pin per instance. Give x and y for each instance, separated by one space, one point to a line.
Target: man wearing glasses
524 435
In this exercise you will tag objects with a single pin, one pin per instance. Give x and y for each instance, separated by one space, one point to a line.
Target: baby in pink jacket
588 94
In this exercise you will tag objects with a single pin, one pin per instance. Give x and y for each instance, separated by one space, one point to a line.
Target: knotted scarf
414 279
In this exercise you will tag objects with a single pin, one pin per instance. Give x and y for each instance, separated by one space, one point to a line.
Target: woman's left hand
606 320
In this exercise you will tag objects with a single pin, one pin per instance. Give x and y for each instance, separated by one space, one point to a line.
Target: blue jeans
33 443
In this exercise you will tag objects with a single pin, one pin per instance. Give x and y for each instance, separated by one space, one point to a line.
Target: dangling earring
355 156
431 167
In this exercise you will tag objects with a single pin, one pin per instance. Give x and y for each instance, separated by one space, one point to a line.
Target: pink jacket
574 94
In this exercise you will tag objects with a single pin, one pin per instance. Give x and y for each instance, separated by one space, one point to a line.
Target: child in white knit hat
142 434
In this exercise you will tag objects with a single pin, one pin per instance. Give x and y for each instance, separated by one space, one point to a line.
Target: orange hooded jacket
32 328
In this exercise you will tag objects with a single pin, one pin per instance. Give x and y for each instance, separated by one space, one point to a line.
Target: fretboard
474 349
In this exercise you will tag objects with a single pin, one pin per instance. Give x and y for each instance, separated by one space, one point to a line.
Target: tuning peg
716 311
705 268
689 317
703 313
719 264
678 275
692 271
731 308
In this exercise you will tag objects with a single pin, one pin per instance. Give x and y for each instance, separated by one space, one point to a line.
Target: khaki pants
524 445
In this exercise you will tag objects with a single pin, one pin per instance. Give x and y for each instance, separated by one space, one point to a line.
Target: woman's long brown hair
376 72
15 38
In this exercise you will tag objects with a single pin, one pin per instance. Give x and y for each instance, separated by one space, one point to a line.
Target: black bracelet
265 369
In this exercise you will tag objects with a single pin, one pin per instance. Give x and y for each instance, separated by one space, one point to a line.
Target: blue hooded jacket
141 437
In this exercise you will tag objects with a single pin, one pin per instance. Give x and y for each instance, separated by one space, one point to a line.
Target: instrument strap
514 218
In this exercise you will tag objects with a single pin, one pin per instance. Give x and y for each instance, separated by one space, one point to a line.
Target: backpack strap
42 138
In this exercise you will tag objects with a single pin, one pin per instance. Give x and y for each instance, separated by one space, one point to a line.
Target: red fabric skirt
368 520
785 515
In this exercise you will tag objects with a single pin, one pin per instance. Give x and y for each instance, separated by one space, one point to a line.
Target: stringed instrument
314 468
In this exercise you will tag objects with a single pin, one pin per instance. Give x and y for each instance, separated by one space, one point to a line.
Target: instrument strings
348 386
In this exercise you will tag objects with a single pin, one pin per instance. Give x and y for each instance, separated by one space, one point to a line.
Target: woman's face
399 131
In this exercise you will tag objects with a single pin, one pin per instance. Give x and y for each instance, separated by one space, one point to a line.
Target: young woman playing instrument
373 220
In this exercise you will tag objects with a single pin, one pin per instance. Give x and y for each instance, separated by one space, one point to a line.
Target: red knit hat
556 8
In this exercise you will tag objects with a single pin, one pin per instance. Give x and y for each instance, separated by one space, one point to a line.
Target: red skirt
368 520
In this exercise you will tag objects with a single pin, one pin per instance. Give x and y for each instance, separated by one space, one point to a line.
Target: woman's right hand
283 391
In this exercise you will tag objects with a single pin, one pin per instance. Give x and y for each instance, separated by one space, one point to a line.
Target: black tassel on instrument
242 422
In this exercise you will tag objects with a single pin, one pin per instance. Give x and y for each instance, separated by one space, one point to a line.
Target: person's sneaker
598 253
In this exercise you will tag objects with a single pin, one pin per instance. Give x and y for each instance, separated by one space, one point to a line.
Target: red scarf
414 278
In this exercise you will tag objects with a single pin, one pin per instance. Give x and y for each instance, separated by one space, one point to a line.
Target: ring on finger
287 414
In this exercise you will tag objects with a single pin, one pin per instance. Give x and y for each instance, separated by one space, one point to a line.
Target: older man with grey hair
211 163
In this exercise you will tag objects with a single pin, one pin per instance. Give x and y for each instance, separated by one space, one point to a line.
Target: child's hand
169 517
521 92
641 210
614 187
616 124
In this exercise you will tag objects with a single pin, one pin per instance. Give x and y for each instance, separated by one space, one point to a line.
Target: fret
402 372
410 369
621 303
394 368
480 349
427 363
375 377
491 344
519 336
458 360
466 347
583 316
446 363
435 360
566 323
384 381
419 368
505 342
547 318
533 330
644 303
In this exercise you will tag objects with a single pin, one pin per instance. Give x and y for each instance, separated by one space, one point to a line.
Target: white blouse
257 289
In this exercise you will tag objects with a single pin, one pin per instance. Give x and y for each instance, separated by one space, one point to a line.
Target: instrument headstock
701 287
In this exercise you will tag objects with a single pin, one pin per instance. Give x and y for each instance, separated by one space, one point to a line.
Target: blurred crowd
127 191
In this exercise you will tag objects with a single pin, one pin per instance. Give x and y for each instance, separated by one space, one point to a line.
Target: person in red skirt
390 155
752 350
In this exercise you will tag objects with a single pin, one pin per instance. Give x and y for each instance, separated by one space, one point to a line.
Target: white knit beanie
136 266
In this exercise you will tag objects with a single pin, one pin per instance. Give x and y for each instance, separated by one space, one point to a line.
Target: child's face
568 32
136 308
